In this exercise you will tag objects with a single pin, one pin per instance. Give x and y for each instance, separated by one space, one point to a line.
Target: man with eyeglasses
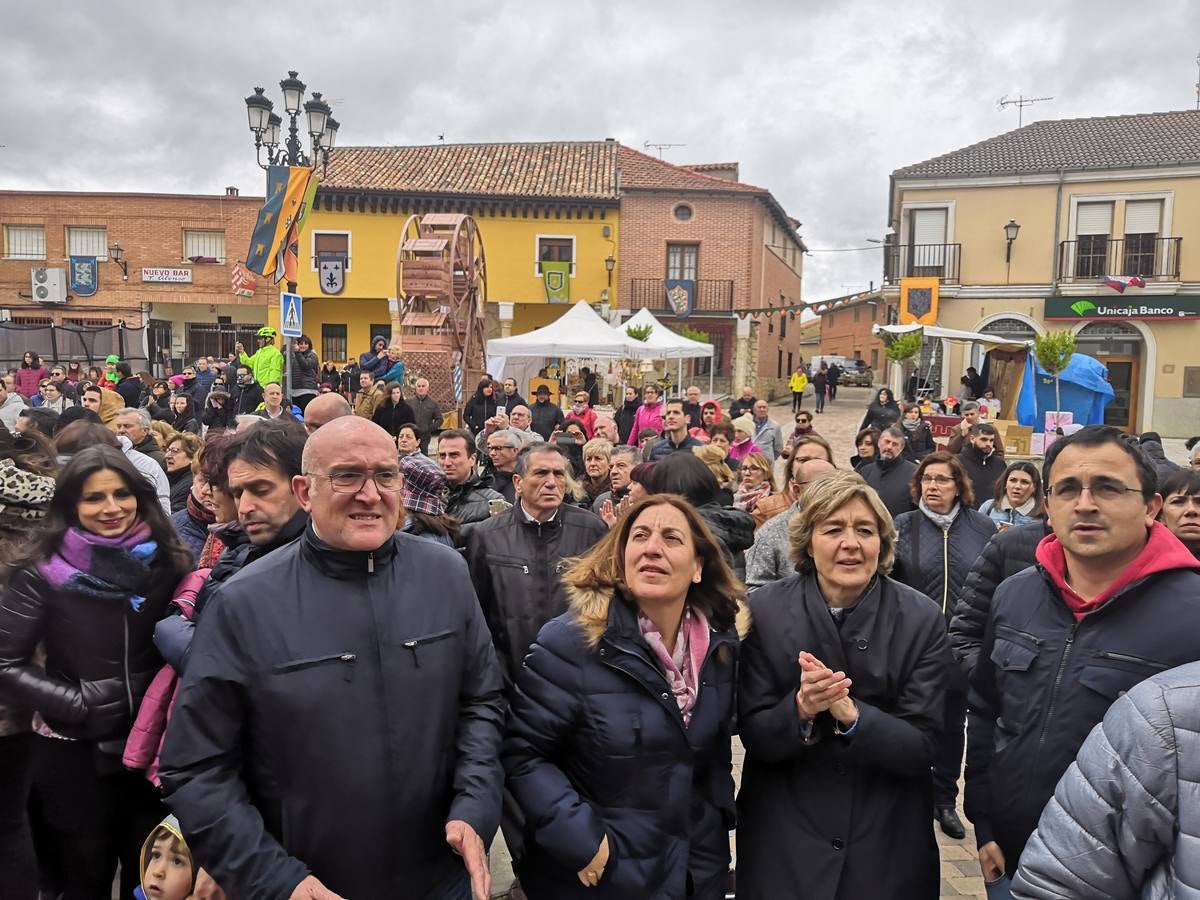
58 375
338 730
1111 602
502 448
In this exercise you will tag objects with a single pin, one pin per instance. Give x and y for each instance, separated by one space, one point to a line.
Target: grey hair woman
840 697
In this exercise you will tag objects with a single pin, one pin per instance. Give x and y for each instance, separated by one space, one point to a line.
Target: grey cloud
817 104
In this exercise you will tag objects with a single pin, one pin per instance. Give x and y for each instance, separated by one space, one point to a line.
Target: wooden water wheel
441 283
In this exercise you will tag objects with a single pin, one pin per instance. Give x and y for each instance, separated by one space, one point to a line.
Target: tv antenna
660 147
1022 101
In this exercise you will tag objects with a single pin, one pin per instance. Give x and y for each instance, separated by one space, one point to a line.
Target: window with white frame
331 245
555 249
927 242
24 241
203 246
1093 230
87 240
1143 225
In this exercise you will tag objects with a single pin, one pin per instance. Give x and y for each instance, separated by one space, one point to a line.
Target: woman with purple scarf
90 590
618 742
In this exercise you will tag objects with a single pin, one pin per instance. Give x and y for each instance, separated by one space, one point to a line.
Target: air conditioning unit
49 285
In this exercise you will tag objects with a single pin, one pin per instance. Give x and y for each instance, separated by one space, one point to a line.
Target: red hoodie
1163 553
699 432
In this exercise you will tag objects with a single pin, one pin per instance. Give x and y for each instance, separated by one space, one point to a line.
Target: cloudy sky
818 102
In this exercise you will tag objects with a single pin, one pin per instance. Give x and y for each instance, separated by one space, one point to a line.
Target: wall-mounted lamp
609 264
1010 234
116 254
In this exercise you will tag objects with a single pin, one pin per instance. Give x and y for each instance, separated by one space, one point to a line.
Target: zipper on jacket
1037 641
1136 660
413 645
945 568
128 687
298 665
371 563
1062 668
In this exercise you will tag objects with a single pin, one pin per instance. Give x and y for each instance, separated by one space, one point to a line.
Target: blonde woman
714 457
840 699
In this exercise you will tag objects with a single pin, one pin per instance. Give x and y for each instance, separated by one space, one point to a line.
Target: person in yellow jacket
798 382
267 361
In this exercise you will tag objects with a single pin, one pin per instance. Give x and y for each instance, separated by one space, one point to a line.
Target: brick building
176 300
846 324
734 241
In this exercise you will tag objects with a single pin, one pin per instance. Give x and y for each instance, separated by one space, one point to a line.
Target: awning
952 334
579 332
662 342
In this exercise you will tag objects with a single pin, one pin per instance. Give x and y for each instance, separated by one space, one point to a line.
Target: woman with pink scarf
618 742
743 439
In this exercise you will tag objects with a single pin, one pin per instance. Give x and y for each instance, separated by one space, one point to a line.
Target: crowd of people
299 651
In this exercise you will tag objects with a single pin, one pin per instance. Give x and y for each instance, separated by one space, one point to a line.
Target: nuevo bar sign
1142 307
168 275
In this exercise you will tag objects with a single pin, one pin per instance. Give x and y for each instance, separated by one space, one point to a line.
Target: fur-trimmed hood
590 609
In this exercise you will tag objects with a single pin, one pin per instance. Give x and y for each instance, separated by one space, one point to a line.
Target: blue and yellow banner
287 191
557 276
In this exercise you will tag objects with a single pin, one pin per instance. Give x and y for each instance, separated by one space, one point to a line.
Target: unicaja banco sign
1076 308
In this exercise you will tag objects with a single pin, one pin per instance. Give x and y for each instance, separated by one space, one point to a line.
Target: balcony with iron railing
941 261
713 296
1091 257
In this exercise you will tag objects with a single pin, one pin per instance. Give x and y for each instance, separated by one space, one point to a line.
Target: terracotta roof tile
639 170
576 170
1144 140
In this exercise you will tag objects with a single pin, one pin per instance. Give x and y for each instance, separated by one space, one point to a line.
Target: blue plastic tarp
1084 389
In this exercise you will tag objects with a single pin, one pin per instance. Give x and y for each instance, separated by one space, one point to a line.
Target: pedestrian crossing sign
291 315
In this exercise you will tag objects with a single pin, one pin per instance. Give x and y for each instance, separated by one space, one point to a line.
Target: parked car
858 374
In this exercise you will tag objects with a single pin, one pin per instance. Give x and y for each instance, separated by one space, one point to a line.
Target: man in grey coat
767 434
767 559
1124 820
427 414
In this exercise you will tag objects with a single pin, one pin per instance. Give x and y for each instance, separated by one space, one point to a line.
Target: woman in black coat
618 741
883 412
625 416
840 695
183 414
481 406
90 591
329 375
393 412
918 435
936 547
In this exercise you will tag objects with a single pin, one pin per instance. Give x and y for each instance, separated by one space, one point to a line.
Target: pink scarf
683 667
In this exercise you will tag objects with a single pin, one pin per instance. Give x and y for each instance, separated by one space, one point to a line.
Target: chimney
231 191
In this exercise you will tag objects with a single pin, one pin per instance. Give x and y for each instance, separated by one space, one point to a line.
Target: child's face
168 871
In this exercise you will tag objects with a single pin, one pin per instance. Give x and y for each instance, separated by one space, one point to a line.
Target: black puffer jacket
1007 553
892 480
304 370
100 655
596 746
390 418
936 562
1153 451
478 410
734 528
468 502
516 566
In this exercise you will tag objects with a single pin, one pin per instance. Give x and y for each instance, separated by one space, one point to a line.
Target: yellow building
1084 200
535 203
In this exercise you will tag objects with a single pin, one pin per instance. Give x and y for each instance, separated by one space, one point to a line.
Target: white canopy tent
579 332
663 343
949 334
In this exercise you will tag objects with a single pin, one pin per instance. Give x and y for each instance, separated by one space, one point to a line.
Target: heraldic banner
918 301
286 192
681 296
557 276
85 275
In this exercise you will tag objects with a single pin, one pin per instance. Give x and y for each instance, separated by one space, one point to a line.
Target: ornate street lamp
1010 234
265 124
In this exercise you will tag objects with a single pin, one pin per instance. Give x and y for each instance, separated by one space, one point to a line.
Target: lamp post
1010 235
265 124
